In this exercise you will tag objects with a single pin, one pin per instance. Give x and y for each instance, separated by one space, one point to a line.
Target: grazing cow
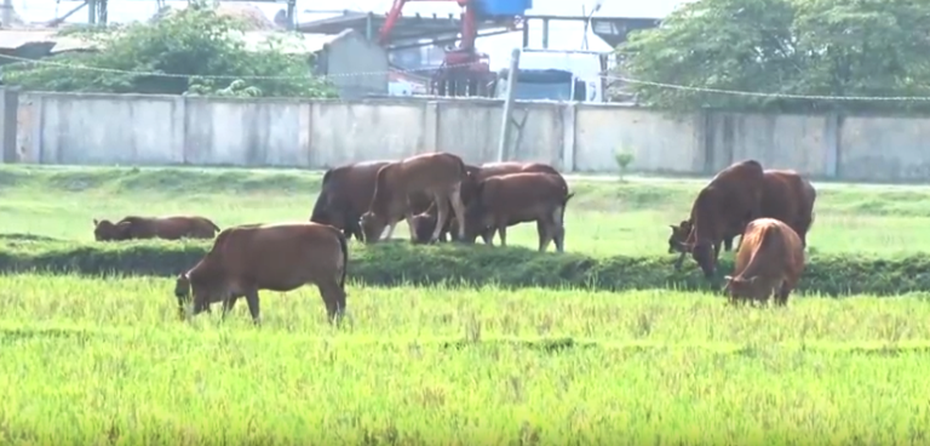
680 235
722 209
786 196
770 258
507 200
426 221
278 257
438 174
172 227
346 193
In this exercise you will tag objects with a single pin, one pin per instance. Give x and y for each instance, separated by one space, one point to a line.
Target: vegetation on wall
194 44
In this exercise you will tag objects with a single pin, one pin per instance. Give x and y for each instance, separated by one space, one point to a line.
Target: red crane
464 71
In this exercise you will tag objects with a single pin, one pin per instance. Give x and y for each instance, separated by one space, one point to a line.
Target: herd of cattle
772 210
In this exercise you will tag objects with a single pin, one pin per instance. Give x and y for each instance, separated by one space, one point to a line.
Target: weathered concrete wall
159 130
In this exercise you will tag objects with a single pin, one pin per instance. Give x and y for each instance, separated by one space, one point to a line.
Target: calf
439 175
172 227
770 258
507 200
278 257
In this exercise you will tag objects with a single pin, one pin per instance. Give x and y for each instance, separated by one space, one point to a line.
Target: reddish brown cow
278 257
770 258
507 200
786 196
722 209
426 221
438 174
172 227
346 193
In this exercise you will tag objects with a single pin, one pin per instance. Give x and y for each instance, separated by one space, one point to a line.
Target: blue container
504 8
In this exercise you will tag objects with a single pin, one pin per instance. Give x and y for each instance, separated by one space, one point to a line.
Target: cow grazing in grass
278 257
770 259
721 210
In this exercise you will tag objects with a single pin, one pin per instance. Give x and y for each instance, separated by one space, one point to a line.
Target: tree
788 47
204 51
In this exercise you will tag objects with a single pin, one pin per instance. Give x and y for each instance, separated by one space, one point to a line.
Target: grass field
86 360
91 361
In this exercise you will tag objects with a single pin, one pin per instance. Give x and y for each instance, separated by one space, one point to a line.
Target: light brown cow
507 200
426 221
278 257
171 227
770 258
438 174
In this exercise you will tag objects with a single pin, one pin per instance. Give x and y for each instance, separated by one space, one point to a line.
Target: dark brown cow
438 174
278 257
770 258
507 200
426 221
346 193
722 209
789 197
172 227
786 196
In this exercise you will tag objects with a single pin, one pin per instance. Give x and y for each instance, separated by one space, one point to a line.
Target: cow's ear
674 228
96 222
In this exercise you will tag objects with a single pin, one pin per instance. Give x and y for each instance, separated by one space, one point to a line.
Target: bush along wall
395 263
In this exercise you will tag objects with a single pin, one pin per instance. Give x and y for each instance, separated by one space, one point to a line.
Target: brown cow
507 200
346 193
680 235
786 196
438 174
172 227
789 197
278 257
770 258
426 221
722 209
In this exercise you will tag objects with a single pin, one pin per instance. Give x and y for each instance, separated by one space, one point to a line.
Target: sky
562 35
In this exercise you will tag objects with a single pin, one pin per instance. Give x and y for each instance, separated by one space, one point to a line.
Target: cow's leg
442 206
228 303
781 299
488 236
251 297
728 244
455 198
680 260
502 232
558 229
544 232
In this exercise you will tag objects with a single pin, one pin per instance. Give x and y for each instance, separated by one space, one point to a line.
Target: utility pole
506 126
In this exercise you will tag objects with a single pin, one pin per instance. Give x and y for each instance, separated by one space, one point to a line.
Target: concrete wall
158 130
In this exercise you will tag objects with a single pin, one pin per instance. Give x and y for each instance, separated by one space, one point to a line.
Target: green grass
90 361
606 218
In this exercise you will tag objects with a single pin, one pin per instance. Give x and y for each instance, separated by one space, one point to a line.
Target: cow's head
737 288
676 241
372 226
194 293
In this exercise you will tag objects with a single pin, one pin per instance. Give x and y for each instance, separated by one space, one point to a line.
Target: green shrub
399 262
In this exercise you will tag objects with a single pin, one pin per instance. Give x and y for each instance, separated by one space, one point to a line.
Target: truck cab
554 76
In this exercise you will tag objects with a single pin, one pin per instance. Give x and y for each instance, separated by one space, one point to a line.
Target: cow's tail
564 204
344 246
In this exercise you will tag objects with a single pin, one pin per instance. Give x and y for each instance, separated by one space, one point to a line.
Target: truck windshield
544 91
